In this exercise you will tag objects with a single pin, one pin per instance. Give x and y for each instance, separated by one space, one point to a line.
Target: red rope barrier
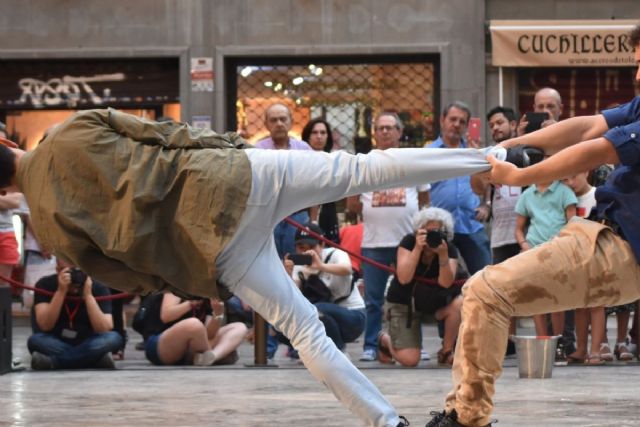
375 263
17 284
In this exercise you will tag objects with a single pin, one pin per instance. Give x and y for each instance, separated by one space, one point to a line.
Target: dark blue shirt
619 198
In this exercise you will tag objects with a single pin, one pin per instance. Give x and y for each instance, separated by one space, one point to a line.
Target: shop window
584 91
347 92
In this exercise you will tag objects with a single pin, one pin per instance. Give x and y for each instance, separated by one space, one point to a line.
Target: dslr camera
434 238
78 277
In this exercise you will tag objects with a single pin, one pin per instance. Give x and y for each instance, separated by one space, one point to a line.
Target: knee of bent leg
191 326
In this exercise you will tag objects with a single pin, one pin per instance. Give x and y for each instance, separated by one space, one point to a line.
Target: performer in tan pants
588 264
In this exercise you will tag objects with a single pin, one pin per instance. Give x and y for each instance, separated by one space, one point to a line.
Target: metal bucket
536 355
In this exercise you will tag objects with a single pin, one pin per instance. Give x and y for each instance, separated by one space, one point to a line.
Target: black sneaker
450 420
403 422
41 362
105 362
437 417
523 155
561 354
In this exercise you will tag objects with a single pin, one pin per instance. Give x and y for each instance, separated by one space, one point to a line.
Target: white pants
286 181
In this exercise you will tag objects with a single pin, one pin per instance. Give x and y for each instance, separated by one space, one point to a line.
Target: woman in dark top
427 254
317 133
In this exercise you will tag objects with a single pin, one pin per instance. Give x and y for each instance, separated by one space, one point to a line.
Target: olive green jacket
137 204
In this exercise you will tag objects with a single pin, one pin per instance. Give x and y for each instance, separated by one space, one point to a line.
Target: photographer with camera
340 306
71 329
428 253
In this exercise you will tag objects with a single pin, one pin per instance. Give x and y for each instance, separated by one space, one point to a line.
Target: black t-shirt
401 294
73 325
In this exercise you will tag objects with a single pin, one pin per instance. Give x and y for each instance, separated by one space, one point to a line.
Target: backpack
147 321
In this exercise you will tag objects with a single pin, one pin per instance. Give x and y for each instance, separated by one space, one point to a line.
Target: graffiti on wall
66 91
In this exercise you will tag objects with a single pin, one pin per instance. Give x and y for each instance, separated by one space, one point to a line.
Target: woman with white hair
425 283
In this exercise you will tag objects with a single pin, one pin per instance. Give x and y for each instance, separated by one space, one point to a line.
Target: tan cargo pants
586 265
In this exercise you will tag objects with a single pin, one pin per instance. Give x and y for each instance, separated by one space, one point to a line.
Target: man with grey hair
457 196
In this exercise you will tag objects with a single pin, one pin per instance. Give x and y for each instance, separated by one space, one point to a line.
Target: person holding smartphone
344 316
547 109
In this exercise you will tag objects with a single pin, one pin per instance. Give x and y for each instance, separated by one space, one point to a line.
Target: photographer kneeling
341 308
426 254
71 333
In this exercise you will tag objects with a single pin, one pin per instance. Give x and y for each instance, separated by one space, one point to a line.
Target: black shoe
403 422
449 420
523 155
41 362
105 362
561 354
437 417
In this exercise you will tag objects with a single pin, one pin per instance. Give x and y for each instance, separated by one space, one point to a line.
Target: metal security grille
347 93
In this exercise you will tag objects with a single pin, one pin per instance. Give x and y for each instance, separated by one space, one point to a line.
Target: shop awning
561 43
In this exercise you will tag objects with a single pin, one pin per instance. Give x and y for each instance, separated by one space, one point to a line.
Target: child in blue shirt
545 207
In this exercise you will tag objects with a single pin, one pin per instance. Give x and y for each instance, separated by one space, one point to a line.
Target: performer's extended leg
585 266
286 181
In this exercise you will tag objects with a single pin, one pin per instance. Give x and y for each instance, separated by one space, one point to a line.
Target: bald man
546 100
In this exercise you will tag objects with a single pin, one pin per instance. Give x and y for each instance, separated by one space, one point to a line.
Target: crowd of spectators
434 236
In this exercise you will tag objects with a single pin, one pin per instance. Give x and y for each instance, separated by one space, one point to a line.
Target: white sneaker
368 355
206 358
424 355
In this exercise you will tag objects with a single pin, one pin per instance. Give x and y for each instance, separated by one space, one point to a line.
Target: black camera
78 277
434 238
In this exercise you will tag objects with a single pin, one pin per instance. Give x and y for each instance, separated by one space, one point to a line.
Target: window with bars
348 92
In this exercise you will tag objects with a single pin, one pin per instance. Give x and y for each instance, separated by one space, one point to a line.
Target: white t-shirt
503 214
586 203
386 215
339 285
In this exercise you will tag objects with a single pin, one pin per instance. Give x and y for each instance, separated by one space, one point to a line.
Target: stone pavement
139 394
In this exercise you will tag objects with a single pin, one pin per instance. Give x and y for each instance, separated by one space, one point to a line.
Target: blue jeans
68 356
342 325
285 233
475 249
375 281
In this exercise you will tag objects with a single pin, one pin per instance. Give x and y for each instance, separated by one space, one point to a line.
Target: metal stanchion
260 344
5 330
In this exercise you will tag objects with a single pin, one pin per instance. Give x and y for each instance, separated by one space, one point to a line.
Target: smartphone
474 128
534 121
300 259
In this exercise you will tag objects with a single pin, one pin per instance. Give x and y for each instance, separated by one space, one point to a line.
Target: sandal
605 352
594 360
575 360
622 352
384 355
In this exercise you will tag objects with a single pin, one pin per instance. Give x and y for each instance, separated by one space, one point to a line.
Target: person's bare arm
586 155
570 211
100 321
563 134
521 223
173 308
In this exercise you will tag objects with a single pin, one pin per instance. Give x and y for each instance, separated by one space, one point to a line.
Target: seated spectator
343 314
426 254
194 334
71 333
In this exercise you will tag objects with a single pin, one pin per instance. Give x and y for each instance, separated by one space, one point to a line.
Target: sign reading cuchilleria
561 43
